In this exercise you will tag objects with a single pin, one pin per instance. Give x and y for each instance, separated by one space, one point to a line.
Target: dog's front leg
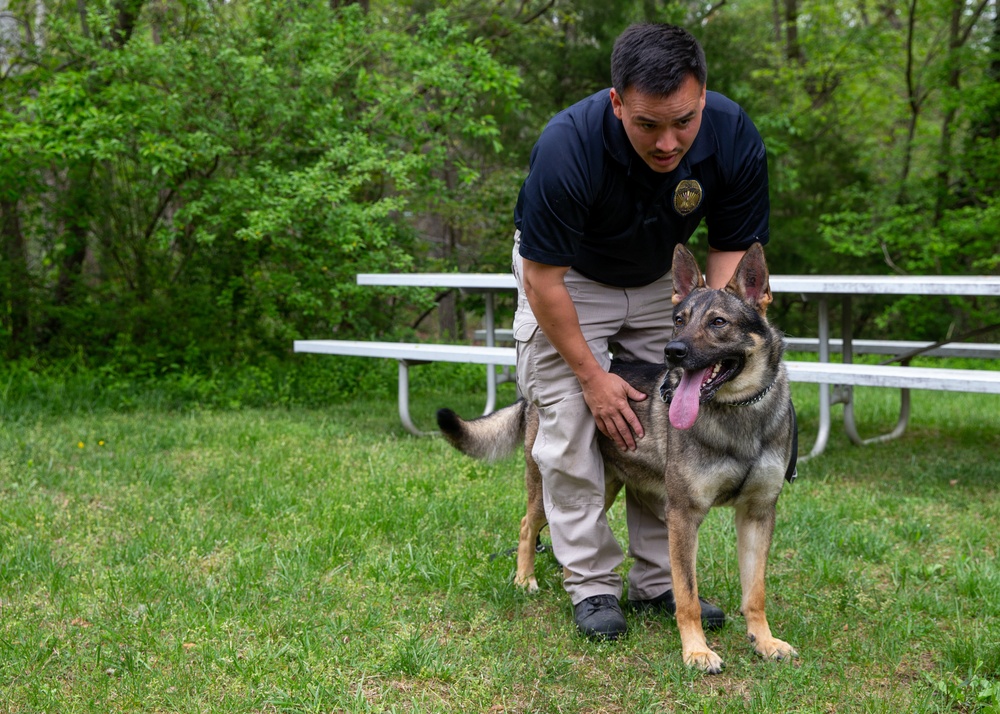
754 528
682 524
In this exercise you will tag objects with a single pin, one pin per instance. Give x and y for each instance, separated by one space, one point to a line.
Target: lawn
159 559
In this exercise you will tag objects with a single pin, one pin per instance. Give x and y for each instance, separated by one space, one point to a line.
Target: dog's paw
773 648
705 660
529 583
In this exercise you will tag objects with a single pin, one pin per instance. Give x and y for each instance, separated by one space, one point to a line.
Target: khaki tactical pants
630 323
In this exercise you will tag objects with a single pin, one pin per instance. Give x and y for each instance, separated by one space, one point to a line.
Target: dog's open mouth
696 387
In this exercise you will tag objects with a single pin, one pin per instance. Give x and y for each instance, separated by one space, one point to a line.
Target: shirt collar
704 144
615 139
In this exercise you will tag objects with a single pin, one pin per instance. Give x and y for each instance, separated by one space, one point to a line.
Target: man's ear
687 274
750 282
616 102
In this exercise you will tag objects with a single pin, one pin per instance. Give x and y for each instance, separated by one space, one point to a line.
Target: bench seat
408 354
978 350
844 376
412 352
865 375
875 375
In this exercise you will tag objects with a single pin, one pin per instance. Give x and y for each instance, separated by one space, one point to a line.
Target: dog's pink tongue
684 404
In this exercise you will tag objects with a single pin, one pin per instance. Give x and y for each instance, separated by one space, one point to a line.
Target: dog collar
753 399
666 395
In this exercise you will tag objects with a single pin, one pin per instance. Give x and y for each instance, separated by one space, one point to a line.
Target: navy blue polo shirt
590 201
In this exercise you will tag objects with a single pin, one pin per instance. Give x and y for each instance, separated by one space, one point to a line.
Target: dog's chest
725 471
733 483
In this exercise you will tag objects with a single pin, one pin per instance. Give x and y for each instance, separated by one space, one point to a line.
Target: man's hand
607 396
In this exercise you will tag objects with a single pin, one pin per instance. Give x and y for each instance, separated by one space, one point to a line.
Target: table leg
849 424
824 389
491 370
847 354
404 398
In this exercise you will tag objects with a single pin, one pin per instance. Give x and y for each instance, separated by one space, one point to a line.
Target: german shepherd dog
720 431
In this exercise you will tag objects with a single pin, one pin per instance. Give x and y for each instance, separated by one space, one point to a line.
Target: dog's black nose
675 351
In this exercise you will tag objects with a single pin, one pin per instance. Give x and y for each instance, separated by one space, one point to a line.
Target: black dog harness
791 473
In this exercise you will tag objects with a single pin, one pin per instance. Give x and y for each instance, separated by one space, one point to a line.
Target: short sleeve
741 212
554 203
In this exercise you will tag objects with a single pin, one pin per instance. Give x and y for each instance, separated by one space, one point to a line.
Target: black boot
600 617
712 618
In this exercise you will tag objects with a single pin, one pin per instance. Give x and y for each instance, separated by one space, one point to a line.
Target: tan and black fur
735 445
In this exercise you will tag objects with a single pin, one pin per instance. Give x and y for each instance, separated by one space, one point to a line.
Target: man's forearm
606 394
557 317
720 267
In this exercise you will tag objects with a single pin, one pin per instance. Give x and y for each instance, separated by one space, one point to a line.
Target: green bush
74 386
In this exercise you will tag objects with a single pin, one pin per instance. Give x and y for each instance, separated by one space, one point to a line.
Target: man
615 182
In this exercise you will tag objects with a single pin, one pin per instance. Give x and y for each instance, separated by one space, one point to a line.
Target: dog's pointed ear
687 274
750 281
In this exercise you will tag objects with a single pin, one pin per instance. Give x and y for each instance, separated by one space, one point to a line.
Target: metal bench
412 353
843 376
846 375
976 350
880 375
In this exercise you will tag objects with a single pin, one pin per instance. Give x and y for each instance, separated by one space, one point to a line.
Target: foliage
976 693
230 174
27 387
197 184
880 162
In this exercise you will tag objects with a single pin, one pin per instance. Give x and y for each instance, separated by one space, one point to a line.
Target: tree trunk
793 52
957 37
74 211
993 130
127 15
15 282
953 87
337 4
914 101
989 126
74 224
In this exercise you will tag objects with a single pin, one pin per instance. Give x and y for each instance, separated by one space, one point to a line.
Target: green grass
322 560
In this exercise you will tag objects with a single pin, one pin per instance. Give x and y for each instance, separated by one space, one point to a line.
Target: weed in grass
974 693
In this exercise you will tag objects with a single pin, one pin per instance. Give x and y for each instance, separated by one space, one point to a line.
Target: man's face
661 129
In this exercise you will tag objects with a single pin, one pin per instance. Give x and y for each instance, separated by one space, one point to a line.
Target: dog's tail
489 437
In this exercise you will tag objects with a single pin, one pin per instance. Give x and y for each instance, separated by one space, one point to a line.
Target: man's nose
667 142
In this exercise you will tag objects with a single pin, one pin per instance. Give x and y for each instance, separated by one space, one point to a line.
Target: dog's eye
678 321
719 322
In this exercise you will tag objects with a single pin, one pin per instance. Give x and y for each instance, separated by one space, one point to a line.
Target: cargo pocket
525 329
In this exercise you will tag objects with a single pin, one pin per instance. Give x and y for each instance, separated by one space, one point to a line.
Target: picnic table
822 288
836 379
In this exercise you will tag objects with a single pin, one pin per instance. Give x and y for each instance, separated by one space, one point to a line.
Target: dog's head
716 334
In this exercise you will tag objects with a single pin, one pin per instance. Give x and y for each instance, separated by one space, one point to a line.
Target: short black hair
656 58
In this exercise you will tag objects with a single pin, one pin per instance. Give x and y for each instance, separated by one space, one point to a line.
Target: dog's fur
719 431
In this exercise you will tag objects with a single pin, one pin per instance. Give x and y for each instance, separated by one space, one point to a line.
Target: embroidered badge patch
687 196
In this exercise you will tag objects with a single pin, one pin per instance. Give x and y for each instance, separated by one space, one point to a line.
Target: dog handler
615 182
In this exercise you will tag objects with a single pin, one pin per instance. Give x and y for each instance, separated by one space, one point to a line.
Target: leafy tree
859 109
192 183
219 175
925 214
